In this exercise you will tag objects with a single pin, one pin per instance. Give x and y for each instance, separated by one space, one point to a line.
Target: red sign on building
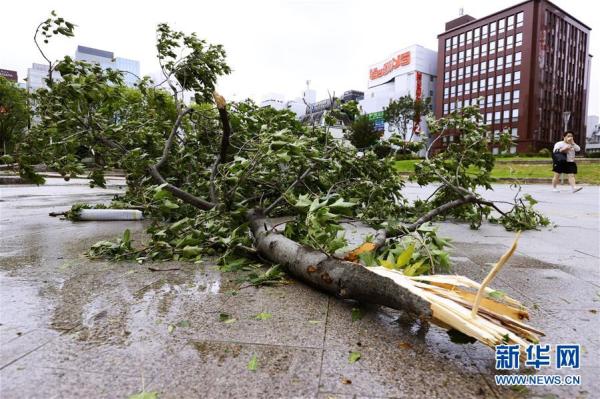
395 63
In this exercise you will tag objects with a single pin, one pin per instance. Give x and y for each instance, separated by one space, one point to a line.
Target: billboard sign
8 74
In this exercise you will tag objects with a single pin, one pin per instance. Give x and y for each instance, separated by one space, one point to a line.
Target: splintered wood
474 309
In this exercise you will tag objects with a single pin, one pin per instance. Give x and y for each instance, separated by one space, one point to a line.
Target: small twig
154 269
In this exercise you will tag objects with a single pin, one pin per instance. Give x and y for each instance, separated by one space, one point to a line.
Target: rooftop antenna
461 12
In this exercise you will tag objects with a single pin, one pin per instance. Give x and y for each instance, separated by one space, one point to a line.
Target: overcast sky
272 46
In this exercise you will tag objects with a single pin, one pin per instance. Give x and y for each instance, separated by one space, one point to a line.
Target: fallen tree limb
444 300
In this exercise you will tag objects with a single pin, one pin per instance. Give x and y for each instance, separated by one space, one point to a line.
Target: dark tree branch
221 157
179 193
169 142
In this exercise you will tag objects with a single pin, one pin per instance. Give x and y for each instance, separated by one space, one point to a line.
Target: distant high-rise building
530 66
107 60
36 76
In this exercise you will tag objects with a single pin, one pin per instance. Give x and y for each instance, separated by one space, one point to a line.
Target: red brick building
528 65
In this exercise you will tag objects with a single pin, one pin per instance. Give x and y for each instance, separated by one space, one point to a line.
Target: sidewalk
71 327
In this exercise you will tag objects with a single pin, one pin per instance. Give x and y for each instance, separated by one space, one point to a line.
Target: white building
592 122
36 76
410 71
107 60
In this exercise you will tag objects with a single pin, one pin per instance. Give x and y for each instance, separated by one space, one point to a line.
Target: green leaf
253 363
144 395
405 256
126 236
170 205
498 295
225 318
356 314
170 328
416 269
183 324
263 316
191 251
353 357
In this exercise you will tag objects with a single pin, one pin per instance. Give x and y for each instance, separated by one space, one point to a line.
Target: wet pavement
72 327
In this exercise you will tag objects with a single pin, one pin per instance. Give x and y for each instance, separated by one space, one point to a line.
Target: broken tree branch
335 276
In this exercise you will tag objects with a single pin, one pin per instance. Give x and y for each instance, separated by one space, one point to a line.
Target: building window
454 42
500 63
515 113
505 115
475 69
492 47
490 83
509 60
447 60
461 56
467 88
475 85
484 32
459 90
518 58
446 92
475 52
498 99
454 58
488 118
468 54
507 79
453 91
501 25
497 116
516 94
461 73
453 75
461 40
483 66
507 98
467 102
492 29
517 78
511 23
490 101
476 34
484 49
509 42
500 44
448 44
467 71
491 65
482 85
459 104
498 81
452 106
469 37
520 19
445 108
519 39
446 76
514 132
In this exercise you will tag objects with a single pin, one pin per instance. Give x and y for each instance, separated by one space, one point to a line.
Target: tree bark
334 276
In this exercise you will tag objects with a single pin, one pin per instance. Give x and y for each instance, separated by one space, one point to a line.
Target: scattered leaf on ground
356 314
314 321
346 381
226 318
263 316
171 328
144 395
404 345
353 255
253 363
354 357
183 324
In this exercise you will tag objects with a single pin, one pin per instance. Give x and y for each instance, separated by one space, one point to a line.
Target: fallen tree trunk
452 302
